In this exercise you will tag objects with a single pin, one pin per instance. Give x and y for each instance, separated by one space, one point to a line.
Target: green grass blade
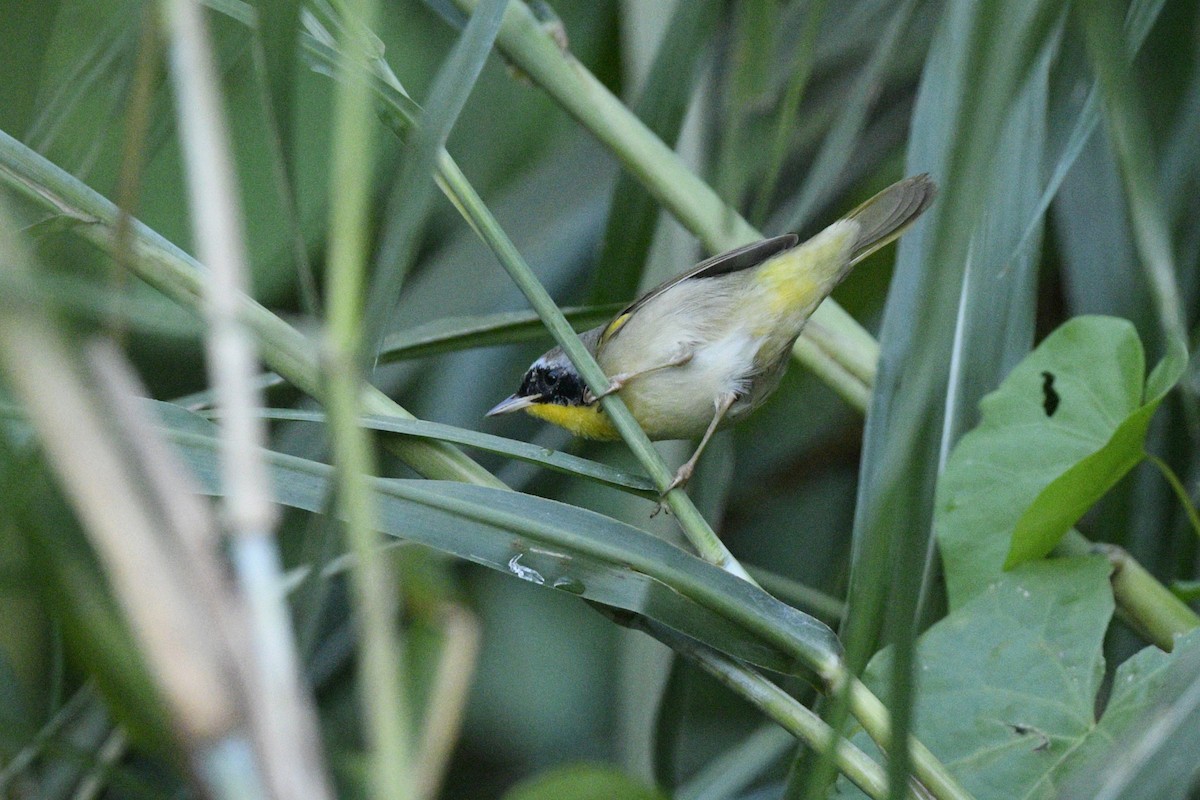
847 129
980 58
564 463
382 665
92 89
744 82
176 274
278 30
1141 17
448 334
413 190
739 767
1101 23
633 213
800 70
559 546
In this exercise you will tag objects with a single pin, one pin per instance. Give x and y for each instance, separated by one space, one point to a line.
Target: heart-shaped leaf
1062 429
1008 681
1008 694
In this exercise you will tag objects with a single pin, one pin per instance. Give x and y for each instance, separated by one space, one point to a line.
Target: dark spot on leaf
1050 397
1043 741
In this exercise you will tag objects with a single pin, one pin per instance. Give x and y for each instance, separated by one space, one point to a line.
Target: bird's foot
682 476
615 384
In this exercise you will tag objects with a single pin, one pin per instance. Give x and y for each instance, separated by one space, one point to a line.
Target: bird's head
553 390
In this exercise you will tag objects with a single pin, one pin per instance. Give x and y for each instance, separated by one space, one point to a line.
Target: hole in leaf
1050 397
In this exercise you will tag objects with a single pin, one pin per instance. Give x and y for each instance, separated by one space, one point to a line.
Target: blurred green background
555 682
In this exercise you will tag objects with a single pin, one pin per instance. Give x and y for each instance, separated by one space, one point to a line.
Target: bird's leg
617 382
723 404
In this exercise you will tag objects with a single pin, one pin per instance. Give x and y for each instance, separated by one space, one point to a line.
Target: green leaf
1074 355
561 547
1152 721
522 451
412 193
1187 591
846 133
1009 680
1019 451
633 213
1009 685
1132 138
582 782
966 277
446 334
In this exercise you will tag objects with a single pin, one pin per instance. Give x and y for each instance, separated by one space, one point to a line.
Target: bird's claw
615 384
681 478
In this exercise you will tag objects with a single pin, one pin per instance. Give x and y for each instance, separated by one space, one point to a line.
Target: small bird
709 346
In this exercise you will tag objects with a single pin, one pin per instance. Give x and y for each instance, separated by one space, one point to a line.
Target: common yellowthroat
709 346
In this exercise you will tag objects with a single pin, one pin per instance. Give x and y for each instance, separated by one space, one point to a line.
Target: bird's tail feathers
887 215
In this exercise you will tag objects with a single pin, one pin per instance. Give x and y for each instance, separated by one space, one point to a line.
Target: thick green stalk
873 716
790 714
1142 600
381 661
845 345
179 276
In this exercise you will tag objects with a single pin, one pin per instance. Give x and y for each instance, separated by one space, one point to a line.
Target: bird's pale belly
679 402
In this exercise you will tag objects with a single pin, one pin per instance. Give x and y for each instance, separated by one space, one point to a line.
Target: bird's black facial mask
554 384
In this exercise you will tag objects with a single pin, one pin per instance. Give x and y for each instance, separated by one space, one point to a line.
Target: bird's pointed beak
513 403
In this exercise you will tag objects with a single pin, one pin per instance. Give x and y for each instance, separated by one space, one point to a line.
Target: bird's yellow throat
589 422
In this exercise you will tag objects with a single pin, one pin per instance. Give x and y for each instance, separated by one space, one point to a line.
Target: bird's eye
551 378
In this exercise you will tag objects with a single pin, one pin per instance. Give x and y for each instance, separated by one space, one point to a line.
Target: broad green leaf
446 334
1008 681
582 782
1064 501
1146 743
1009 685
561 547
522 451
1035 430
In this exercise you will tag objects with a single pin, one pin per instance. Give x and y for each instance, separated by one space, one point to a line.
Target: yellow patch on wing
801 277
590 422
613 327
